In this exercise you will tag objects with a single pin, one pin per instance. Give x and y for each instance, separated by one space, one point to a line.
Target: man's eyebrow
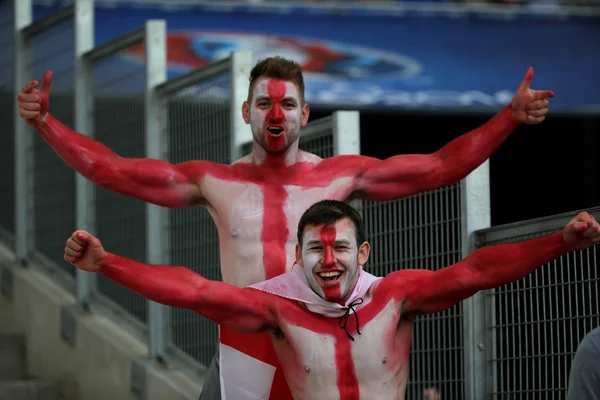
286 98
342 241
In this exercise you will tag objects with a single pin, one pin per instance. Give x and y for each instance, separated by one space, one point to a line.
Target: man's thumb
579 226
94 242
46 82
528 78
89 239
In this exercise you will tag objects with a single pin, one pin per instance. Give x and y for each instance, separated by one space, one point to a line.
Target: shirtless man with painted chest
339 332
257 201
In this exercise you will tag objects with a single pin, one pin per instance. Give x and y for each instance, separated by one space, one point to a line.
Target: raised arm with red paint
405 175
243 310
162 183
151 180
490 267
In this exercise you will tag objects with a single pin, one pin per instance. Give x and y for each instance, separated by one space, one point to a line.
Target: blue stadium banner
378 59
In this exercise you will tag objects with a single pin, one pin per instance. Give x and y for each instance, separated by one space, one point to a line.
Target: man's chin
275 148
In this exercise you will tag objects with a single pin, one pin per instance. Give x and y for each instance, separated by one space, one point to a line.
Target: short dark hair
277 68
327 212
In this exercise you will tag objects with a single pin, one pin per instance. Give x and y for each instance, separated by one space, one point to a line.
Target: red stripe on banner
259 346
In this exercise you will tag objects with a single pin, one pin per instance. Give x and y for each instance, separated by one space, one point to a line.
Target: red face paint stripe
276 91
327 236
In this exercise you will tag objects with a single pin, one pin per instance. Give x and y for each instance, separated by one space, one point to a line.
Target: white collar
293 285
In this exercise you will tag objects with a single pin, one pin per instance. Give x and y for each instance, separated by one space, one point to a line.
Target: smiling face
276 113
331 258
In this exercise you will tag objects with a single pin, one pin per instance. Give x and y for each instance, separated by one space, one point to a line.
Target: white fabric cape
293 285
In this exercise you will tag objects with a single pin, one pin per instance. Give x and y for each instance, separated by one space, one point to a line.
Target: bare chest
245 208
318 355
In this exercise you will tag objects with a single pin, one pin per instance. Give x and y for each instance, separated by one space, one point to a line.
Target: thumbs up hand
33 102
530 106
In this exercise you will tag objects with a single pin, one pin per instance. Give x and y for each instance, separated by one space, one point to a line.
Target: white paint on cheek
348 258
293 117
258 115
257 121
310 260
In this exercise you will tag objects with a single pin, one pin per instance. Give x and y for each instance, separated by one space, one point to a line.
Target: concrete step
12 358
28 390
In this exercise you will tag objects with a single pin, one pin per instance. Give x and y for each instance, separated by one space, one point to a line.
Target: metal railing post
84 193
155 116
475 202
23 18
241 64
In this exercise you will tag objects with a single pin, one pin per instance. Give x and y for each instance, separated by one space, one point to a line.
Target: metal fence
534 325
52 182
424 232
118 122
50 202
430 231
198 127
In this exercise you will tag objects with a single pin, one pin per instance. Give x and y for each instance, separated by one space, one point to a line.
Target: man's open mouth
330 276
275 130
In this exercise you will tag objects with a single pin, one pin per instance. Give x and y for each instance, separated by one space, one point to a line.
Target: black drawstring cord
344 318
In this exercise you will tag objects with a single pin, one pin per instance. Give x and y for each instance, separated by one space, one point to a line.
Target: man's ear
299 255
246 112
363 253
305 115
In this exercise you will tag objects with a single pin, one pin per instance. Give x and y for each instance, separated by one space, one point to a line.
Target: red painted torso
257 209
320 361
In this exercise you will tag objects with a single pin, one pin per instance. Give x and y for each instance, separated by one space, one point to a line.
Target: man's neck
284 159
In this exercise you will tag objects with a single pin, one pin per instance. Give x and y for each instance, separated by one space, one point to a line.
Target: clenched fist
530 106
84 251
33 102
582 231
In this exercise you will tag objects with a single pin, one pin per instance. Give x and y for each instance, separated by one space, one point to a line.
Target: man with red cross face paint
339 332
257 201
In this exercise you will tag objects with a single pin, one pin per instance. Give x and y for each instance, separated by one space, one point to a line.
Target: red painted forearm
486 268
495 266
155 181
241 309
405 175
169 285
465 153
